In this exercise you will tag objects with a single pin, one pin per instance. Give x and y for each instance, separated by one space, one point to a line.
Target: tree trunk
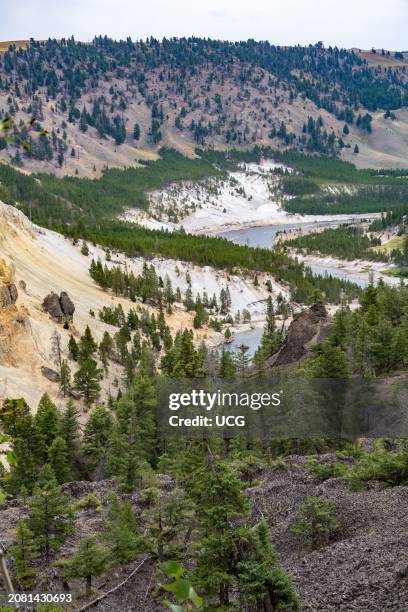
5 574
88 590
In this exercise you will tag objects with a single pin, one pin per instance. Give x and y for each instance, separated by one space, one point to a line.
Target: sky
345 23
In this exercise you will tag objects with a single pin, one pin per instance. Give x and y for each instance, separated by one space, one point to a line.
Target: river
265 237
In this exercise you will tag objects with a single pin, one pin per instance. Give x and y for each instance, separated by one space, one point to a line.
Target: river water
265 237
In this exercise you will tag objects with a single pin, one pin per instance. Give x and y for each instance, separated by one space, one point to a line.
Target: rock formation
307 329
8 290
60 308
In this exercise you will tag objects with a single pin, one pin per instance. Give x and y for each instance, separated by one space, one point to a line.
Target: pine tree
87 345
217 493
83 122
65 378
47 424
135 439
23 553
316 522
136 131
105 349
242 360
89 560
26 444
57 456
227 366
70 429
263 584
328 361
96 436
122 534
86 381
50 518
201 315
73 348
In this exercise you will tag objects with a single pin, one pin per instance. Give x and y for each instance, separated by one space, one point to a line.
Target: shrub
323 471
316 522
89 501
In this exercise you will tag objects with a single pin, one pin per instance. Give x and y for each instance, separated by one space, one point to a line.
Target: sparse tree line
64 71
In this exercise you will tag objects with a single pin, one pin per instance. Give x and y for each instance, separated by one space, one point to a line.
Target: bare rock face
8 290
60 308
307 329
8 295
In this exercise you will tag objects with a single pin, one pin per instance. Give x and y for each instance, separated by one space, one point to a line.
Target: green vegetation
346 242
369 341
356 191
47 199
316 523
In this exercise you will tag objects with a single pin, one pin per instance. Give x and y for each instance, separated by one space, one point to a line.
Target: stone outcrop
60 308
67 306
8 296
307 329
50 374
8 290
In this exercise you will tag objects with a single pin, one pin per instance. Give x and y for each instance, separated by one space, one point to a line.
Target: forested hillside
103 102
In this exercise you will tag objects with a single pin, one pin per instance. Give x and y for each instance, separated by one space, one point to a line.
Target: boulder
67 305
51 304
60 308
50 374
307 329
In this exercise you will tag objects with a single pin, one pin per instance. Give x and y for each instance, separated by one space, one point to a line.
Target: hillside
35 262
363 567
110 104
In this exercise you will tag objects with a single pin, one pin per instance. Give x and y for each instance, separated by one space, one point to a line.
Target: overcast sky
346 23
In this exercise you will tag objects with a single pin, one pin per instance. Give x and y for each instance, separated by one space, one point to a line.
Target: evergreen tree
89 560
328 362
262 582
218 497
242 360
201 314
87 345
135 440
136 131
121 533
70 432
65 378
23 553
271 338
83 122
227 366
50 518
105 349
58 459
73 348
86 381
47 424
96 436
26 445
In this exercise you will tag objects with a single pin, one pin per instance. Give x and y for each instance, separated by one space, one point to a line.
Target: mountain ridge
110 103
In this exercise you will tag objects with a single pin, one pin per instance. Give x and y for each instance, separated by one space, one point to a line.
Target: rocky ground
364 569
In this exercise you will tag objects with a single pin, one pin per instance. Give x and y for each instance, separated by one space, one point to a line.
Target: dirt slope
43 262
